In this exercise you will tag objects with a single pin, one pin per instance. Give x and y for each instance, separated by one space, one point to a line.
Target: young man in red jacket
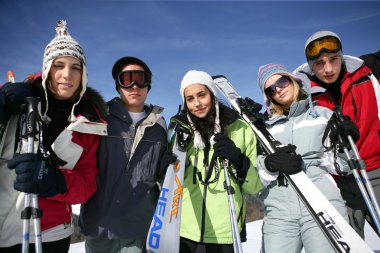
341 80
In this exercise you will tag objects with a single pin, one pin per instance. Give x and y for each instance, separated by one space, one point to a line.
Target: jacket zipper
133 126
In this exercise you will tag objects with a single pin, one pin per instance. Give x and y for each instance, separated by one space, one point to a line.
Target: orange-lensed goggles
129 78
323 45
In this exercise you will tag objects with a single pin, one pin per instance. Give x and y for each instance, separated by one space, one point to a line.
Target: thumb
289 149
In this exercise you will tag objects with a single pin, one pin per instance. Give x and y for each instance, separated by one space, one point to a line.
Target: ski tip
218 76
10 76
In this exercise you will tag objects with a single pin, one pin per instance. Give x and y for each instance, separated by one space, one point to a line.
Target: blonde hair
298 94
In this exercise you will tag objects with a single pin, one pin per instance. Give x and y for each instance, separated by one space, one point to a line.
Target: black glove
36 175
225 148
349 128
284 160
12 96
167 159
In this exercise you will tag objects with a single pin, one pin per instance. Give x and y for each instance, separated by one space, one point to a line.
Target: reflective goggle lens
283 82
127 79
326 44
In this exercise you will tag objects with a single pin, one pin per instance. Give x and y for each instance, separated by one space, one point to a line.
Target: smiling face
133 97
283 96
65 77
198 100
327 67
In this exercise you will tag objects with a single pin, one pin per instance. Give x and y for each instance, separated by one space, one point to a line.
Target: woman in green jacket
205 219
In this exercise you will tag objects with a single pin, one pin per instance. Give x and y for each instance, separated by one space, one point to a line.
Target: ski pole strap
29 212
208 171
229 188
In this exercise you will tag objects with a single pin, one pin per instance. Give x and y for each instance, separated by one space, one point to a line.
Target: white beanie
203 78
200 77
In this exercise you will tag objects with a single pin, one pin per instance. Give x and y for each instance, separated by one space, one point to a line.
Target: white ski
164 231
339 233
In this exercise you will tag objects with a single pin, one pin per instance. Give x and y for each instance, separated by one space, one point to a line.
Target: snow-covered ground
254 239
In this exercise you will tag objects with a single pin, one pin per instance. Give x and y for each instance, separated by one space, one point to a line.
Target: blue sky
232 38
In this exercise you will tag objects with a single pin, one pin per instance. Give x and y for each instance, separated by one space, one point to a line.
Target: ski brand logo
333 230
178 193
161 217
154 238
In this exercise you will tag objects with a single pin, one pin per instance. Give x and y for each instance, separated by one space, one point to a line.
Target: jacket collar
295 110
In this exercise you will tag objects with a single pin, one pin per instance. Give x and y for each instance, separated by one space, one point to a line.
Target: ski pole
363 182
31 200
234 224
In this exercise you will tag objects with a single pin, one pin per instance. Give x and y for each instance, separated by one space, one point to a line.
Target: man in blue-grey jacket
118 216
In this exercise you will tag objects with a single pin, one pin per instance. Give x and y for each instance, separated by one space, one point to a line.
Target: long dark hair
206 126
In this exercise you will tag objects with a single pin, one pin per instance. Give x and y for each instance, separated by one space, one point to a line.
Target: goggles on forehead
283 82
129 78
326 44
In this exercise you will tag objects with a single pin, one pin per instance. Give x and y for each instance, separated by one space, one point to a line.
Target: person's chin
200 115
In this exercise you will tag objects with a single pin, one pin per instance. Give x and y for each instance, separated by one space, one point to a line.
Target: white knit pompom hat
63 45
203 78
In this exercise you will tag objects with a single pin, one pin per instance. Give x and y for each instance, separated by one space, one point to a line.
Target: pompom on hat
203 78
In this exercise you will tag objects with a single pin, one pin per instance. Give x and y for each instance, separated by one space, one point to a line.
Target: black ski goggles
129 78
324 45
283 82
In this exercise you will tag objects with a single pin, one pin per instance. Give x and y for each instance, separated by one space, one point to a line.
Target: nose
278 89
66 72
197 102
328 67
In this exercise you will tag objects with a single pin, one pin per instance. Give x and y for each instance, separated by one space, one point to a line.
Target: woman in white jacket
288 226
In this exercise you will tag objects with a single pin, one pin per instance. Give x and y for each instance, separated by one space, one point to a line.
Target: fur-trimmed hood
98 102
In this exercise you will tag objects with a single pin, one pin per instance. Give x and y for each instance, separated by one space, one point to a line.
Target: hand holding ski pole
346 126
225 148
357 164
36 175
31 209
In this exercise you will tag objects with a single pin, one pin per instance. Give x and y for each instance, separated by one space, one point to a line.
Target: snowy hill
254 239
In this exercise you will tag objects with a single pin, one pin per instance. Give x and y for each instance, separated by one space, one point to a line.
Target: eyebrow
198 93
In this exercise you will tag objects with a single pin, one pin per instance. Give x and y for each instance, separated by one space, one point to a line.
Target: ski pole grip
339 113
31 116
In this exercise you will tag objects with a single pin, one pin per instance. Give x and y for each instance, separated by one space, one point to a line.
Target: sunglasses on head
326 44
283 82
129 78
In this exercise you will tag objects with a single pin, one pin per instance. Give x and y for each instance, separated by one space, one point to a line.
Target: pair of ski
164 232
